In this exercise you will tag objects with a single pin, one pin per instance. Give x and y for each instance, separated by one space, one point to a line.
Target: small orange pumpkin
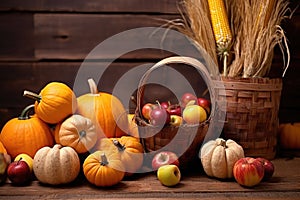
105 110
289 135
25 134
55 102
130 149
77 132
104 168
2 148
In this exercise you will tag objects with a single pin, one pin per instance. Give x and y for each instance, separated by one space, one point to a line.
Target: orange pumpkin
289 135
55 102
130 149
105 110
2 148
104 168
77 132
25 134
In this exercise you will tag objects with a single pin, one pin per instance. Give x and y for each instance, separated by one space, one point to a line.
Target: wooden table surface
285 184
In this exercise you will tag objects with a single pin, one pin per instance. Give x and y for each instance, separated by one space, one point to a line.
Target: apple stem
103 160
19 160
119 145
163 156
158 103
169 102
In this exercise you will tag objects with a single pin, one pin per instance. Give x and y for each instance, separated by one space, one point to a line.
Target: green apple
175 120
194 114
169 175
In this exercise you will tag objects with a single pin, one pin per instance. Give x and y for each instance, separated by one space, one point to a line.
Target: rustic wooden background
43 41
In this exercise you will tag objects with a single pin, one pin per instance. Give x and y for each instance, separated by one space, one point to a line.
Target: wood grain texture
136 6
73 36
284 184
16 36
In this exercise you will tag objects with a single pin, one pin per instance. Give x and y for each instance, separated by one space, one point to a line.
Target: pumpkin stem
93 86
25 113
103 160
82 134
119 145
223 143
32 95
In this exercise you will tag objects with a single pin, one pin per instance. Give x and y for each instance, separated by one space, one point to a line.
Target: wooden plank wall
47 40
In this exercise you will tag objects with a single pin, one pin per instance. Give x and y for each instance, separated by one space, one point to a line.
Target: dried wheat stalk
196 24
256 29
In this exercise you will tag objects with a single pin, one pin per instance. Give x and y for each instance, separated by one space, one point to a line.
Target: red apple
165 105
18 172
187 97
269 168
174 109
248 171
146 110
159 117
205 103
164 158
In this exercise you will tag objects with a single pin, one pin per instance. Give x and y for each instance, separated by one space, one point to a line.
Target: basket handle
173 60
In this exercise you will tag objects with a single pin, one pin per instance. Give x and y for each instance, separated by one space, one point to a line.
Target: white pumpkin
57 165
219 156
77 132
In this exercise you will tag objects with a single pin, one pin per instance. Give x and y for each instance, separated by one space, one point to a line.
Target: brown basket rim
250 84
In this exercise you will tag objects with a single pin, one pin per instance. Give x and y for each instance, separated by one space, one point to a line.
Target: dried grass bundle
196 24
256 29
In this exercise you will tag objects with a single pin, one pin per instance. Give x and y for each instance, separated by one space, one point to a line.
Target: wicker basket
184 140
252 113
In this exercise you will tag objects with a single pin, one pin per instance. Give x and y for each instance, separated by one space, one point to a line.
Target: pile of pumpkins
63 127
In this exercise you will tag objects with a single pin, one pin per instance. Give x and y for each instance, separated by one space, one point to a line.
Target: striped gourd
220 25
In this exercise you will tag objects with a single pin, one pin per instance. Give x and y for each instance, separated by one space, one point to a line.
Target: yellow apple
169 175
175 120
194 114
26 158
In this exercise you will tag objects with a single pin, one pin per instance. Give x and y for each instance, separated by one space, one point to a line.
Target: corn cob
220 25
